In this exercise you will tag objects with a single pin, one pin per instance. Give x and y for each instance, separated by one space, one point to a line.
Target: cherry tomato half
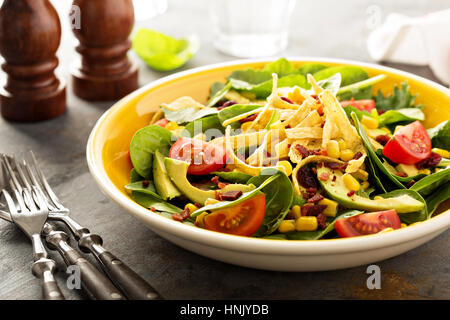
409 145
363 105
367 223
162 123
243 219
204 157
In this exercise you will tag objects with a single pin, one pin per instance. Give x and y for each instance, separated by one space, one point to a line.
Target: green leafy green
318 234
134 176
139 187
354 88
216 87
311 68
410 217
162 52
219 95
236 110
233 176
432 182
279 195
211 125
281 67
144 143
149 201
350 75
435 199
400 99
402 116
274 118
440 135
188 114
349 109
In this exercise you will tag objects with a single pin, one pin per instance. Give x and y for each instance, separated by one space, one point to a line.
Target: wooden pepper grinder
30 34
104 73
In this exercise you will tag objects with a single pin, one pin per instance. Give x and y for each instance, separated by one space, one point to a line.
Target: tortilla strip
300 113
317 89
304 133
243 140
262 119
312 119
183 103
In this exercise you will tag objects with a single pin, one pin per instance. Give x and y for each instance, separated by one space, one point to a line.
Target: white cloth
419 41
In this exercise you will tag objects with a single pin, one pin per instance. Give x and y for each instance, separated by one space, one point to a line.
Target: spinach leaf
233 176
374 176
349 109
149 201
401 115
245 196
134 176
219 95
276 236
318 234
236 110
354 88
279 195
440 135
274 118
211 125
350 75
139 187
144 143
432 182
435 199
281 67
400 99
410 217
188 114
311 68
216 87
372 154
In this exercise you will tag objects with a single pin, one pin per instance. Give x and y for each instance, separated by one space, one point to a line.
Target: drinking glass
251 28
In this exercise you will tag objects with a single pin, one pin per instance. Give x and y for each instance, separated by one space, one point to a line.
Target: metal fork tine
10 202
14 182
44 182
23 207
25 180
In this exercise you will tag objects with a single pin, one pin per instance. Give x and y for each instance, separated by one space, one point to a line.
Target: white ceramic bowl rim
257 245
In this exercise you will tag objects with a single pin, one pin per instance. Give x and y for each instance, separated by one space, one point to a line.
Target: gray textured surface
333 29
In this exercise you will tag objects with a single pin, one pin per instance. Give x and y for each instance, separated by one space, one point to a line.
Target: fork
132 285
30 217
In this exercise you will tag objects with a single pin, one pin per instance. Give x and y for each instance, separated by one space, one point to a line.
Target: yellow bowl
107 155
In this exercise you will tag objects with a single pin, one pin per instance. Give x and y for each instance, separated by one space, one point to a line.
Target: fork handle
44 269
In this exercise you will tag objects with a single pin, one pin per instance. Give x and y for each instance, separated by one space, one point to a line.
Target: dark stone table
325 28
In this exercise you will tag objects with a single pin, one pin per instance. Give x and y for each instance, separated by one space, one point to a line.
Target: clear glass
251 28
147 9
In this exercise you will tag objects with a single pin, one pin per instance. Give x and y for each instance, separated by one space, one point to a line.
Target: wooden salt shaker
30 34
104 73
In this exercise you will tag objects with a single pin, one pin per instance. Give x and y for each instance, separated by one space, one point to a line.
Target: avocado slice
177 171
338 191
165 188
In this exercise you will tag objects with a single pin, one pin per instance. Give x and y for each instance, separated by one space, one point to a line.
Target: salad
293 153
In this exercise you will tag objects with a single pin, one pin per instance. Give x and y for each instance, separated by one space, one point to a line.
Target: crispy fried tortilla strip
263 118
317 89
183 103
311 120
300 113
243 140
304 133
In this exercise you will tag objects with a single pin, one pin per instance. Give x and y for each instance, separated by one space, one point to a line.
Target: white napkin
418 41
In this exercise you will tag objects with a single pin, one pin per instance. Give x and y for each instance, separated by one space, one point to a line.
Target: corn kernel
286 226
350 182
365 185
385 129
296 96
342 144
191 207
211 201
331 209
347 155
386 230
246 125
443 153
199 220
172 125
285 166
425 171
374 113
377 198
308 223
403 225
332 148
296 211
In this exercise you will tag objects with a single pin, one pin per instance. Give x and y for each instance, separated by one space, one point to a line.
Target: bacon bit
401 174
320 110
222 185
231 195
249 118
334 178
145 183
333 165
317 152
344 166
153 209
306 178
314 210
315 96
229 103
322 221
315 198
288 126
320 165
314 170
380 112
324 153
183 215
287 100
218 195
322 125
324 176
357 155
215 180
432 161
303 151
383 139
198 205
350 193
311 190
